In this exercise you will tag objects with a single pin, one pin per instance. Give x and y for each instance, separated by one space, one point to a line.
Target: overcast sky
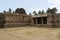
29 5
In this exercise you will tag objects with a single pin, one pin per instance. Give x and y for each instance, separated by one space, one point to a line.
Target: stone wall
20 20
15 19
56 20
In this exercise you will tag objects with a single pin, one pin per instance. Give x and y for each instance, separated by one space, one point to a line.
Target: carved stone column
32 21
42 20
36 21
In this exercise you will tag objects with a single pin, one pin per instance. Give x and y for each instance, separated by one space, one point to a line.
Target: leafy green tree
48 10
10 10
4 11
53 10
42 12
34 12
20 11
39 12
30 14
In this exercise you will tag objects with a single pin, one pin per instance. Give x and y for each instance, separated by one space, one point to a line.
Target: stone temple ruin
19 20
46 20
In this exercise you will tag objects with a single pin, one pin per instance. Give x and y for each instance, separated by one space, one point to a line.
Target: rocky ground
29 33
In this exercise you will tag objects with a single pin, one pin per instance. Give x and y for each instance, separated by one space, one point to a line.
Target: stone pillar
42 20
36 21
32 21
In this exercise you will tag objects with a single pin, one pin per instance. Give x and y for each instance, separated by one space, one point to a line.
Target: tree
20 11
34 12
13 12
30 14
42 12
39 12
53 10
4 11
48 11
10 10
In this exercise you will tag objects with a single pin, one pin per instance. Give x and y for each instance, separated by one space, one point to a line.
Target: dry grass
30 33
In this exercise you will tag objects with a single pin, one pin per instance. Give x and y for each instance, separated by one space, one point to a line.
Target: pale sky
29 5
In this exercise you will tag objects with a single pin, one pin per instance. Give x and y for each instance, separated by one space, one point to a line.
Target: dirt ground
29 33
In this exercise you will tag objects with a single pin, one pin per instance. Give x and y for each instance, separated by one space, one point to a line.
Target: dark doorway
39 20
34 20
44 20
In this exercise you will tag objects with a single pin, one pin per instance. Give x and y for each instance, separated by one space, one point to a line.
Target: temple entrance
44 20
39 20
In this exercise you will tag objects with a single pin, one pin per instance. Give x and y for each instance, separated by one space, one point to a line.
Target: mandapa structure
46 20
20 19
